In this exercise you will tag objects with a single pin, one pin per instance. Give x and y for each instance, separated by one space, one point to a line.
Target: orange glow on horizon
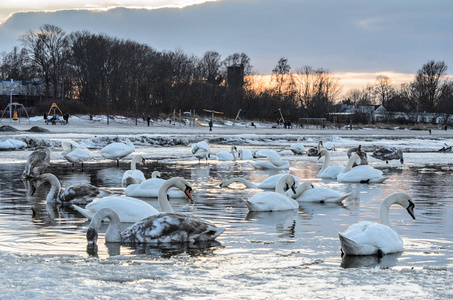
347 80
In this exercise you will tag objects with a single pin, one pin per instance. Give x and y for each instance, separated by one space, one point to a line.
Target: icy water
292 254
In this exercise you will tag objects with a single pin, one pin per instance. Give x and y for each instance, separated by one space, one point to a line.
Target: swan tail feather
250 205
86 213
348 246
344 197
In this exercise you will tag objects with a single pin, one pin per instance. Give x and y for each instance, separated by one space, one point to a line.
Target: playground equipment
237 117
14 105
281 115
54 106
199 124
212 116
213 112
16 110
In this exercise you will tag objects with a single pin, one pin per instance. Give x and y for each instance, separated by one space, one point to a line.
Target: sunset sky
355 39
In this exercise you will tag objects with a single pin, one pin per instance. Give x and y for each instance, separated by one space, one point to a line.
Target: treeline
431 91
92 68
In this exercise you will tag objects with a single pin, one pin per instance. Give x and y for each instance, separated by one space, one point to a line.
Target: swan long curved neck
113 233
350 163
162 197
282 182
326 161
301 189
384 211
134 162
242 180
233 148
55 188
320 145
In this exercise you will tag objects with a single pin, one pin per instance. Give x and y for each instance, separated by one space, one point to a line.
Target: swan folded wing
270 201
133 177
321 194
77 155
366 238
362 173
331 172
37 162
81 194
170 228
128 209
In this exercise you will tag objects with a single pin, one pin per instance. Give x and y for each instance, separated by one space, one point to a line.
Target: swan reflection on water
284 221
360 261
165 250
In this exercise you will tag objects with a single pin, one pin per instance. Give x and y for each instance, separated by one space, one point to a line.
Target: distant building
371 113
21 91
22 87
235 84
235 76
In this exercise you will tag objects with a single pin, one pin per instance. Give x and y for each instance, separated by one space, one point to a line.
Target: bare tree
317 89
210 63
47 48
282 76
383 89
428 84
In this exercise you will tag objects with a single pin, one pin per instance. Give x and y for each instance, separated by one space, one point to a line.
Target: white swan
228 156
133 175
274 201
361 174
297 148
75 194
150 188
268 183
131 209
306 192
328 172
116 151
274 161
37 162
315 151
74 152
369 238
388 153
362 154
156 229
330 146
245 154
201 150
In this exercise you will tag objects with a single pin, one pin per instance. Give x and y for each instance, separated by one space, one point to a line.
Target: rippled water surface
264 241
30 226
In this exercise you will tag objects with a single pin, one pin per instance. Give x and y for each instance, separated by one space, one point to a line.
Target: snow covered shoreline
83 126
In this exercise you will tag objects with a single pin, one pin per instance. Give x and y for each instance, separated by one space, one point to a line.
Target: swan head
188 192
155 174
322 153
404 200
39 180
401 156
92 236
285 183
410 209
112 233
181 184
292 187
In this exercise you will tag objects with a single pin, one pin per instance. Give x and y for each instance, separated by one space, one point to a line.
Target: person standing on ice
210 125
